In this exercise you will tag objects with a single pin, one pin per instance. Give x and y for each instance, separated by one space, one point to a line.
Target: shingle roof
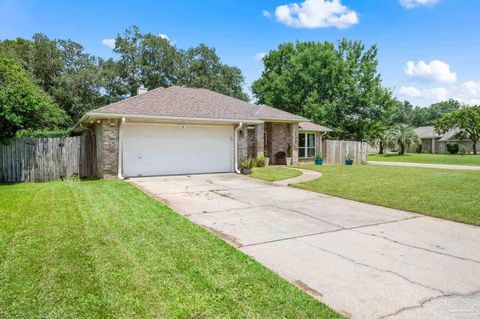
178 101
427 132
309 126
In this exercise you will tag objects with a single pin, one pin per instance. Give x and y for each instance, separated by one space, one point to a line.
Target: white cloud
468 92
163 36
435 70
260 55
109 43
266 14
409 4
410 91
316 14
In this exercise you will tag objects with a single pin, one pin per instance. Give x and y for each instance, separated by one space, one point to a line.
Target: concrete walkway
444 166
363 260
307 175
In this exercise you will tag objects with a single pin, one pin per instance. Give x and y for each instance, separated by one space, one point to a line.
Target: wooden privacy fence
335 152
46 159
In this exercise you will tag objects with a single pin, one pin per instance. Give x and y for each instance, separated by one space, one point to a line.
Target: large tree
23 104
426 116
466 120
335 85
153 61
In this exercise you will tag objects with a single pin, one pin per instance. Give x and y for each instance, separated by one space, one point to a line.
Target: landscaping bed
449 194
104 249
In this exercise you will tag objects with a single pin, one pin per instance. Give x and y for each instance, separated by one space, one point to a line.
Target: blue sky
428 49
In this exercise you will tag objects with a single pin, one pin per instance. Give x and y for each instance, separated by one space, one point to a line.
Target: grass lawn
449 194
104 249
472 160
273 173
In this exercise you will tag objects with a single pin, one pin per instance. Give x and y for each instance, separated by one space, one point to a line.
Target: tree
23 104
466 120
426 116
203 68
403 136
334 85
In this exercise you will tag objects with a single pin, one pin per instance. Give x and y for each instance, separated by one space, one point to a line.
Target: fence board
335 152
46 159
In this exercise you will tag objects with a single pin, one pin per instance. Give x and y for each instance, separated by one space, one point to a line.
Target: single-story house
179 130
433 142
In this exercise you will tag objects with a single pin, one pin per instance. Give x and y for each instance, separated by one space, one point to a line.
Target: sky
428 49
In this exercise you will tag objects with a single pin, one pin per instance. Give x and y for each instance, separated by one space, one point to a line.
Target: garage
170 149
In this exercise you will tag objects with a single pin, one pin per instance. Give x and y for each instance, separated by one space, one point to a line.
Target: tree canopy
79 82
23 104
466 120
334 85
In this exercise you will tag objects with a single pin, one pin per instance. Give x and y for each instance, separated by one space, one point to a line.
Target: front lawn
273 173
449 194
104 249
471 160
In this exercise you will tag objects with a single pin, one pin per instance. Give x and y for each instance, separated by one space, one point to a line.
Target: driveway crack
420 248
427 300
373 267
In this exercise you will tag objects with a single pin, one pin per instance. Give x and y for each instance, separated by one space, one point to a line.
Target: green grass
273 174
449 194
104 249
471 160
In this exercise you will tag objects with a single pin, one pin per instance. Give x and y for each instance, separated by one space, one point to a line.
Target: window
306 145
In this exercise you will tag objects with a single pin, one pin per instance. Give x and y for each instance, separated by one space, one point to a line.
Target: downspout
235 147
120 149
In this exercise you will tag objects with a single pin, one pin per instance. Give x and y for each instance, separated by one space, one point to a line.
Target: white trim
307 146
120 148
179 118
235 146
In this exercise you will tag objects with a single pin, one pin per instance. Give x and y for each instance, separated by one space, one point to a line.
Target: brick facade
242 144
279 136
107 148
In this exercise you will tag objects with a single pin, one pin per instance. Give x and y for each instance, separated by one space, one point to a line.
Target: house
180 130
433 142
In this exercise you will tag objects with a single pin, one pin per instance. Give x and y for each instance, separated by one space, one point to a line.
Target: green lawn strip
104 249
273 174
448 159
449 194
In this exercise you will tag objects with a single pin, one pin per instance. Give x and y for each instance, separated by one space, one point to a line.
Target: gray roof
185 102
427 132
309 126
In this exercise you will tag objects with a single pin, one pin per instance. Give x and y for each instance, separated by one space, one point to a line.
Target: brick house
433 142
180 130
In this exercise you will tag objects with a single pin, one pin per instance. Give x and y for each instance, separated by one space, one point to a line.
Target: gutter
235 147
120 149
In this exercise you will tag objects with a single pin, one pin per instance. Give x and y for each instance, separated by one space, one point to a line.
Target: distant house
432 142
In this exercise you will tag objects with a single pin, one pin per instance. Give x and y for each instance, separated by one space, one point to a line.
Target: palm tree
380 142
404 136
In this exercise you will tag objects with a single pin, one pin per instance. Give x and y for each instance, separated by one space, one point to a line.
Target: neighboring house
180 130
432 142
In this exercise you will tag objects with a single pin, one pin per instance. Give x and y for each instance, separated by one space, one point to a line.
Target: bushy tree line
77 81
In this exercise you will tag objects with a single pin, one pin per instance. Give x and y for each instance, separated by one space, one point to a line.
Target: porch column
433 145
259 139
294 142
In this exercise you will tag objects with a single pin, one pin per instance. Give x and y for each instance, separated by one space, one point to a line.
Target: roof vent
141 89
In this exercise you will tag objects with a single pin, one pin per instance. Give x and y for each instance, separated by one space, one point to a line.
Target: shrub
261 161
43 133
453 148
319 156
248 163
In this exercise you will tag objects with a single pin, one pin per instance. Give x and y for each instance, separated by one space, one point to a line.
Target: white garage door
160 149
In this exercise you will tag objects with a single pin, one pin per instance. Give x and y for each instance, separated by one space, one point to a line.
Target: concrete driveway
363 260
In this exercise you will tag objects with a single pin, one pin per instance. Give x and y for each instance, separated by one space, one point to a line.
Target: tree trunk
380 148
402 149
474 147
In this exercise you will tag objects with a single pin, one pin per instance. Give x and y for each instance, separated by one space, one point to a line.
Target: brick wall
107 148
279 135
